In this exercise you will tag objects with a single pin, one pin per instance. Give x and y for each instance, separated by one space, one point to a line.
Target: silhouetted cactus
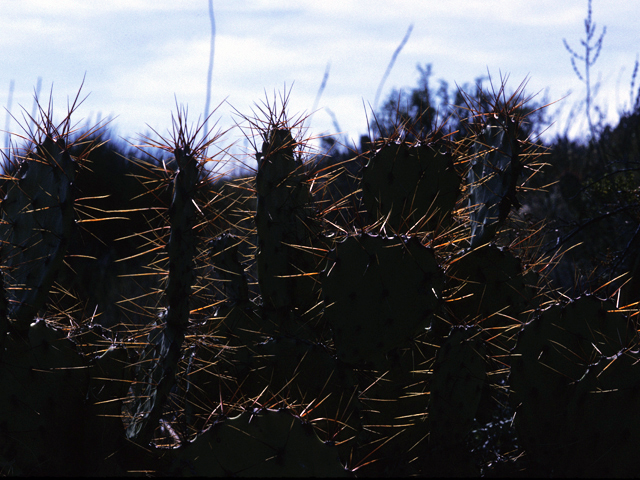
272 318
573 374
285 225
159 361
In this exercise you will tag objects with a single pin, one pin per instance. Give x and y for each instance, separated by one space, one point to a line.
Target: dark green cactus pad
38 220
571 373
605 436
378 293
292 368
489 287
297 372
407 185
393 407
266 443
456 387
42 403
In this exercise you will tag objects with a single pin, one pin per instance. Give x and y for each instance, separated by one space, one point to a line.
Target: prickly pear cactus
37 223
350 332
378 293
409 186
573 374
458 377
490 288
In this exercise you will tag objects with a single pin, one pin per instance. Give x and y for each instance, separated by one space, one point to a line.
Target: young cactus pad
492 178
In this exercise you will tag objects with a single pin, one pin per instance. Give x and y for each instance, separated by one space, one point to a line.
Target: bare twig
210 71
591 53
390 66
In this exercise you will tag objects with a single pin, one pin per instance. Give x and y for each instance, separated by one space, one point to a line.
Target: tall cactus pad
456 389
379 292
266 443
285 224
37 222
493 176
182 243
406 185
159 362
568 361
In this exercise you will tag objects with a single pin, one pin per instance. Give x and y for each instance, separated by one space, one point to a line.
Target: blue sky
138 54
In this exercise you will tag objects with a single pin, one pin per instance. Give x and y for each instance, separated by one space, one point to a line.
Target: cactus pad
573 370
458 377
378 293
407 185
